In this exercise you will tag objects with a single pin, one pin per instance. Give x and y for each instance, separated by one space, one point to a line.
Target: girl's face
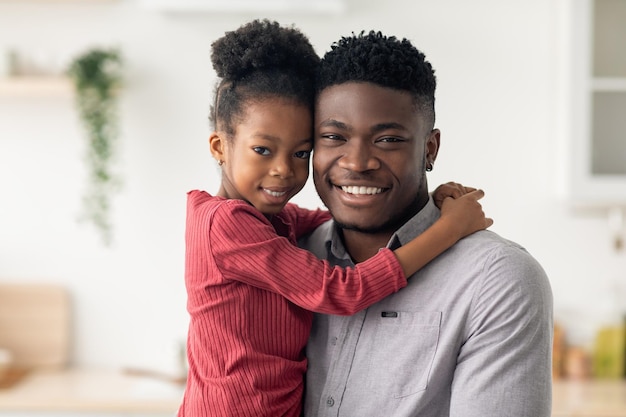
266 163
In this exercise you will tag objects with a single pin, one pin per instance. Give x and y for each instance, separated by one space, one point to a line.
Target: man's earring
220 162
429 167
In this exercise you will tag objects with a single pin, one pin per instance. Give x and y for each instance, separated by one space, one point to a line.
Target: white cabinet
247 6
594 47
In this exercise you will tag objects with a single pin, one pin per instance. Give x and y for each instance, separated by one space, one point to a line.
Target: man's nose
359 157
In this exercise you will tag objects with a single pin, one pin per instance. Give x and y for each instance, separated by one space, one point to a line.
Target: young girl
251 290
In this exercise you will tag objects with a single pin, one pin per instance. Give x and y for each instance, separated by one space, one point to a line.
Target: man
470 336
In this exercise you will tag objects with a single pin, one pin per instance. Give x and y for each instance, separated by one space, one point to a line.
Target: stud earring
220 162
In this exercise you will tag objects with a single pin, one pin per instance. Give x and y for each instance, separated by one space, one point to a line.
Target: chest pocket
401 349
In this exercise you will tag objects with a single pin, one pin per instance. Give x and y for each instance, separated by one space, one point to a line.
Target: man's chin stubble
389 226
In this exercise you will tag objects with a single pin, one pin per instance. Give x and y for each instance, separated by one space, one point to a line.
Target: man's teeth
361 190
275 193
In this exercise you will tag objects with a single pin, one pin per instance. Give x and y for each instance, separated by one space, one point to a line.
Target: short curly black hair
260 60
383 60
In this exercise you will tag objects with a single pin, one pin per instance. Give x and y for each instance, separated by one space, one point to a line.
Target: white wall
498 104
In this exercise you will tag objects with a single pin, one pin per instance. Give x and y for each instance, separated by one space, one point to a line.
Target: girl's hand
464 215
450 189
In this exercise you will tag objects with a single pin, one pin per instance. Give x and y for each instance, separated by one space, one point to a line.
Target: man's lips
361 189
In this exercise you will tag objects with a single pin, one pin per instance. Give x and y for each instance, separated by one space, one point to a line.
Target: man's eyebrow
386 126
334 123
379 127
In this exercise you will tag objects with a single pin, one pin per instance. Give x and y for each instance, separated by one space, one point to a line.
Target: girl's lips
274 193
277 196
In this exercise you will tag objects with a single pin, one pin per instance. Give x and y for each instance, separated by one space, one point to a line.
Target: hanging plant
96 76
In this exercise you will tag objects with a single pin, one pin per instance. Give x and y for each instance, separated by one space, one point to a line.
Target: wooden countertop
101 391
589 398
110 391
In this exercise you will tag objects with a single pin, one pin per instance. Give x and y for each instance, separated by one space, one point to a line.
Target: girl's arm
458 219
234 242
246 248
305 220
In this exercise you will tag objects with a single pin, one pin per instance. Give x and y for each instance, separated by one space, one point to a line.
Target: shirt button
330 401
333 341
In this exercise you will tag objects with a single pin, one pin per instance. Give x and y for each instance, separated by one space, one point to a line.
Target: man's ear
432 146
217 144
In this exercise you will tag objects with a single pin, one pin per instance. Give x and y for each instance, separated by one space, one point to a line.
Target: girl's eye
303 154
261 150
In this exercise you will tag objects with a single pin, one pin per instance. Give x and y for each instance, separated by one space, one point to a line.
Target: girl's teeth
275 193
362 190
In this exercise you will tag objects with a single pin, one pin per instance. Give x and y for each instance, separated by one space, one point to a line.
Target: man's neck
362 246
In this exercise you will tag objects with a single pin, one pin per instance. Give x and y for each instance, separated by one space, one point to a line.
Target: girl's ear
217 144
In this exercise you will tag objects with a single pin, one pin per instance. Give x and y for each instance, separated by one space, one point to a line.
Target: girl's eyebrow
272 138
265 136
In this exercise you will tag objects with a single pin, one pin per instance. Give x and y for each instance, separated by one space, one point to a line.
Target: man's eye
261 150
389 139
331 137
303 154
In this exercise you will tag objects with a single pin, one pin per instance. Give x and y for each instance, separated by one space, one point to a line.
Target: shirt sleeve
304 220
504 368
247 249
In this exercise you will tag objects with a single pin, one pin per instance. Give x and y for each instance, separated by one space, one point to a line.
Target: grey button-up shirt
470 336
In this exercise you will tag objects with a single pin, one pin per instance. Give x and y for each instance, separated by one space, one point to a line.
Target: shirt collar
409 231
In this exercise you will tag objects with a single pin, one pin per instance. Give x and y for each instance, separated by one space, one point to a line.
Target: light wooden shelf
35 86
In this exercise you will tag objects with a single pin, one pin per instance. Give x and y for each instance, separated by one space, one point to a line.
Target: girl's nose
282 168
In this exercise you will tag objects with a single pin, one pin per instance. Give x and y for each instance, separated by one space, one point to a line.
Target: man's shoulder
490 244
505 262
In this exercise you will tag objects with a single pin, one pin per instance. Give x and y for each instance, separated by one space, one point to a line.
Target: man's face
371 146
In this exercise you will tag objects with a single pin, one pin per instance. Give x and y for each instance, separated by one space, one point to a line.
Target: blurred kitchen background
531 103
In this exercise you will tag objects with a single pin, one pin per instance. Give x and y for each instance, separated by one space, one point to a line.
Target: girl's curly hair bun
262 45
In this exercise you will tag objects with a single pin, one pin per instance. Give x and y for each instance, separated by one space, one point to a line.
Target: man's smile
361 190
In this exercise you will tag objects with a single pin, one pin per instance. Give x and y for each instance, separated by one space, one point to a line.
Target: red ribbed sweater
250 296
